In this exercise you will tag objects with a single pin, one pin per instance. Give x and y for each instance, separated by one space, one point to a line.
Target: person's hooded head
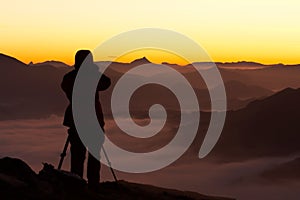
83 55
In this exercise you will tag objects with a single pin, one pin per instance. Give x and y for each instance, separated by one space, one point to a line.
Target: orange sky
233 30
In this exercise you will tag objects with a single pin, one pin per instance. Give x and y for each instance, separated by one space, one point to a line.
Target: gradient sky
265 31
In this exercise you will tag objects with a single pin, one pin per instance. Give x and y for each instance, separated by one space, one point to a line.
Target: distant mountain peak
142 60
57 64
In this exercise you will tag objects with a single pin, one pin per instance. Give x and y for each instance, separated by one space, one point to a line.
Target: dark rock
18 169
19 182
61 178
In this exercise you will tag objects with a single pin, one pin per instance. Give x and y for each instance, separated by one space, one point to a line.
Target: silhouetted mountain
140 61
285 171
52 63
272 77
18 181
243 65
238 96
30 91
238 90
8 60
33 91
267 127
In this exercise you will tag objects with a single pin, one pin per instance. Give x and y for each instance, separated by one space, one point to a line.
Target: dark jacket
67 86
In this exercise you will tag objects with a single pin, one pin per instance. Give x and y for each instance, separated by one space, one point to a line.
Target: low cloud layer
37 141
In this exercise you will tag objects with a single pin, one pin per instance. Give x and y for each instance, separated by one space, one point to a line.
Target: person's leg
93 171
93 167
78 152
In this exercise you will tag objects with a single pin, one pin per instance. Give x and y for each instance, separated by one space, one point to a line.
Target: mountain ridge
57 64
144 60
7 58
265 128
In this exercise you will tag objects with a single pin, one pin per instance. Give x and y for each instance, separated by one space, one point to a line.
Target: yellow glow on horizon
234 30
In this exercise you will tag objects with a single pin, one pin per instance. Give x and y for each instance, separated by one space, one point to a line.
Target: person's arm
64 85
67 86
104 83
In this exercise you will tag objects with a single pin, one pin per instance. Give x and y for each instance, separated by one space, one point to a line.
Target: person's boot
93 173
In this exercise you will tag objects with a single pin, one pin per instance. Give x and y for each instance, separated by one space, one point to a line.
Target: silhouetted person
78 150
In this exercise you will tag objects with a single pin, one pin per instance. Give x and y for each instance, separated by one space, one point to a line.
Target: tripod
64 153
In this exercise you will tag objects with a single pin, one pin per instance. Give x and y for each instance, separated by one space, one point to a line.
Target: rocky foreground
19 181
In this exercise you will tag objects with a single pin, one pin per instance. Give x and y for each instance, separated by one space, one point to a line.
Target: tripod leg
64 153
109 163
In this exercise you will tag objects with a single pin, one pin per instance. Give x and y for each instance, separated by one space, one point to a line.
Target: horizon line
163 62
